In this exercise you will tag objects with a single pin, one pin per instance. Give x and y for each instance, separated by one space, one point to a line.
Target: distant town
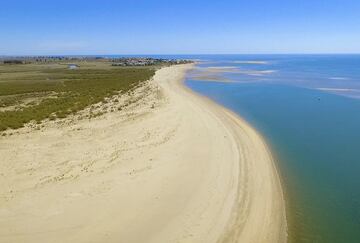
119 61
146 61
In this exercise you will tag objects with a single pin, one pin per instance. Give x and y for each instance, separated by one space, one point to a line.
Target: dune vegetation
37 92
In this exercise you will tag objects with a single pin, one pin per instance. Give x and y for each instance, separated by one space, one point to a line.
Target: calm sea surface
308 108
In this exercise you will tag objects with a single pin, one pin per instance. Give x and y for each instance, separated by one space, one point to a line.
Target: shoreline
242 122
173 167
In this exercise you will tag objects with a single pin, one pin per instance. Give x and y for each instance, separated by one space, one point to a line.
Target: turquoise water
307 107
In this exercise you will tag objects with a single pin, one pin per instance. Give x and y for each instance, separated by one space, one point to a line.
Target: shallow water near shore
310 116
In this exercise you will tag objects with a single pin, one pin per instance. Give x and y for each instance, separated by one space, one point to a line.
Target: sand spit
171 167
236 70
251 62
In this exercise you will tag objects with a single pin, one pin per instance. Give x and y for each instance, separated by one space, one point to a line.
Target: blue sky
39 27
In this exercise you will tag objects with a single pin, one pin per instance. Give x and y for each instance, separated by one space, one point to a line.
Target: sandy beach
171 167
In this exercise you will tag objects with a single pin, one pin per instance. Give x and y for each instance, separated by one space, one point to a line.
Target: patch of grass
75 90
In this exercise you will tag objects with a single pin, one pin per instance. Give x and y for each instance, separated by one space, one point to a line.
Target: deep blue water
308 109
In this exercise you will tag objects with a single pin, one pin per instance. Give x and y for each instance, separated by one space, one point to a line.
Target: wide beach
171 167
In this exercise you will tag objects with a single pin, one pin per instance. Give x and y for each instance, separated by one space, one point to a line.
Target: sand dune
171 167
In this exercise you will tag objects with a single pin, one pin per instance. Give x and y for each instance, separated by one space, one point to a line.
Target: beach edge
213 105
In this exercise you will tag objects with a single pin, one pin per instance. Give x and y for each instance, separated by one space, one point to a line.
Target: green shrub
75 91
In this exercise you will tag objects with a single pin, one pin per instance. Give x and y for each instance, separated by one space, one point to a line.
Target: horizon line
182 54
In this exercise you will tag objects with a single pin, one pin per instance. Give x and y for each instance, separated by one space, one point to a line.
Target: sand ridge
170 167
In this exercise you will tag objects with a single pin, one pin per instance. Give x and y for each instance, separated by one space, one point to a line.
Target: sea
307 107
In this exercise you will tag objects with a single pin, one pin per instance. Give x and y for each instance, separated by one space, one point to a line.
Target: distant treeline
121 61
44 59
13 62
